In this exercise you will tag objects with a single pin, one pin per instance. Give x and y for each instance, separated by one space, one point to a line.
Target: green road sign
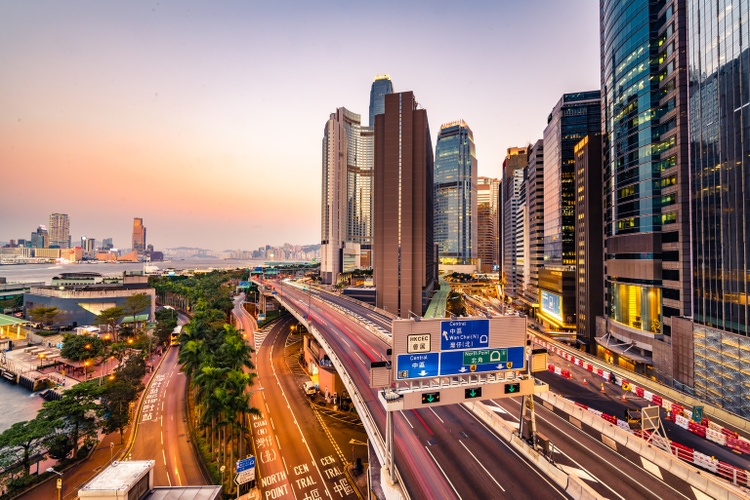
476 392
485 356
430 397
512 388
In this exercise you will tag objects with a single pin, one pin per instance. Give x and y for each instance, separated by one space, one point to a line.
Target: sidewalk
109 449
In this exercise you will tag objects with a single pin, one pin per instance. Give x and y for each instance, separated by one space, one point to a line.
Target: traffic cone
623 397
603 387
584 381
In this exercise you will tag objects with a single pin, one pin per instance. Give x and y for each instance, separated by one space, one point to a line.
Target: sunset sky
206 118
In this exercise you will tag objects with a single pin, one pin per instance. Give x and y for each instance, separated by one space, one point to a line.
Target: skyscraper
346 212
717 346
574 116
534 195
588 239
488 200
513 166
40 237
404 268
381 87
139 236
59 231
455 218
645 183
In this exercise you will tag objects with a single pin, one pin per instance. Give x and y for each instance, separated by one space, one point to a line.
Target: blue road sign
466 334
488 360
245 464
417 365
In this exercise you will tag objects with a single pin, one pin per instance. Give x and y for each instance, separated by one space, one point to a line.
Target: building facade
381 87
488 201
40 237
139 236
404 267
646 182
346 218
513 165
59 231
534 196
719 84
455 217
589 239
574 116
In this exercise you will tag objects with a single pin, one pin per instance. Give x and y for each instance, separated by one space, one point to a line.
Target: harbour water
18 403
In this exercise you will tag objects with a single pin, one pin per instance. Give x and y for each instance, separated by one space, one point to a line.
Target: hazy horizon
206 119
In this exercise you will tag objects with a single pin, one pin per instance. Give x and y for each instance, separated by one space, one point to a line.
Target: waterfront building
404 267
513 166
712 355
488 200
107 244
59 231
40 237
455 217
79 305
645 184
588 239
88 247
346 211
533 193
381 87
139 236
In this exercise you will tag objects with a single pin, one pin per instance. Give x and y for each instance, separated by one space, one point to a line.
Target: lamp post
222 469
59 482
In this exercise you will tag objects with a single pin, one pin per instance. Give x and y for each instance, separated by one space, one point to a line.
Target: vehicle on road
309 388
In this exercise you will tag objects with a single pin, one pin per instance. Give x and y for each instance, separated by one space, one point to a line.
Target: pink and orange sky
206 118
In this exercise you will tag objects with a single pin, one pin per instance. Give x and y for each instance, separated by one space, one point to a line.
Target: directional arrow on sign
422 373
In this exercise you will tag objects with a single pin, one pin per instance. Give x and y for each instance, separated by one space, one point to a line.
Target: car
309 388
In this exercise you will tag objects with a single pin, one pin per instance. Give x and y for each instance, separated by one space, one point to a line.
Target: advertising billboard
552 304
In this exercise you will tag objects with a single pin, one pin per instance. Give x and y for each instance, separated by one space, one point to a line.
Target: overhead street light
59 482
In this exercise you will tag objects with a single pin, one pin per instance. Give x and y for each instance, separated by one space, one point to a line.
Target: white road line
161 437
278 443
360 359
437 416
441 470
481 465
407 420
164 456
169 480
512 450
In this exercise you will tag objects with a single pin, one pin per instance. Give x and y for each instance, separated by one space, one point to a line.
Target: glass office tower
646 181
719 72
456 197
575 116
381 87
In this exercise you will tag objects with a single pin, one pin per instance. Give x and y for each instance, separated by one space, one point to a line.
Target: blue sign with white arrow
466 334
420 365
245 464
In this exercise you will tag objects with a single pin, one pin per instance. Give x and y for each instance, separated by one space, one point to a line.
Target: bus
174 338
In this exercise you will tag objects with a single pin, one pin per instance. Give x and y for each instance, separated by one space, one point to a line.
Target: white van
309 388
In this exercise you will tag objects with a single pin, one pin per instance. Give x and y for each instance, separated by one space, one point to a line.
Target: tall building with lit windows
646 183
513 166
455 214
488 201
404 267
346 219
139 236
712 358
59 231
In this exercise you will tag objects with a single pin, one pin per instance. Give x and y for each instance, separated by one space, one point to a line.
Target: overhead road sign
467 334
417 365
480 361
473 393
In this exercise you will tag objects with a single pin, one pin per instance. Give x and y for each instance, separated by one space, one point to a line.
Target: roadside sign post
245 472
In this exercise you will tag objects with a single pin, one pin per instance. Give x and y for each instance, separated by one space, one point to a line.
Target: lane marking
441 470
437 416
407 420
481 465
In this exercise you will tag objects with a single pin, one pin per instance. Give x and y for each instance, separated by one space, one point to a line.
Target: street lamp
222 469
59 482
